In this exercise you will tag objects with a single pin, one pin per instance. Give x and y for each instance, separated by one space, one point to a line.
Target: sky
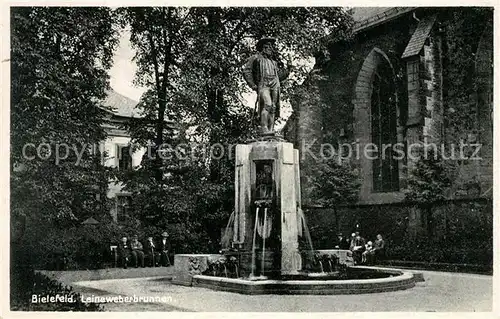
123 71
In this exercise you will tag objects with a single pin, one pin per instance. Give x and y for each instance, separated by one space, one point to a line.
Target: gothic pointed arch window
384 129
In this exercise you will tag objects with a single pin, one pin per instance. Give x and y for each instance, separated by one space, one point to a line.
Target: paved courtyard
440 292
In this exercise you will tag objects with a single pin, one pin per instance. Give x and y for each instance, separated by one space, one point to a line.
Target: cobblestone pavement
440 292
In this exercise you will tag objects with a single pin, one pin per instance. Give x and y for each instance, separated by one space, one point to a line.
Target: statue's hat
264 40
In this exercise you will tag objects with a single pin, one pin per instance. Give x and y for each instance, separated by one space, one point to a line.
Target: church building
408 75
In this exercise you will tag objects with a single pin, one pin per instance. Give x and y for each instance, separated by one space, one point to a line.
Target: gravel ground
441 291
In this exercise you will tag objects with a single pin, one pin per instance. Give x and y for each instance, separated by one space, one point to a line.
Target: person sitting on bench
379 248
137 252
357 248
152 254
164 250
367 255
124 252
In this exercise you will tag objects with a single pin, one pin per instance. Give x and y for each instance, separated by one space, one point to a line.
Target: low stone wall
188 265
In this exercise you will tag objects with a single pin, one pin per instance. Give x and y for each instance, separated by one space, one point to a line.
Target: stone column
296 162
290 257
242 197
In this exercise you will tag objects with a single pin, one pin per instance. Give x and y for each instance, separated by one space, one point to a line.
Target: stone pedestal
279 161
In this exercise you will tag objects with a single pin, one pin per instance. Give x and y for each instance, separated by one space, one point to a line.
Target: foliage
41 285
427 182
463 233
222 267
78 247
430 177
431 252
59 63
464 31
464 28
184 201
335 183
190 60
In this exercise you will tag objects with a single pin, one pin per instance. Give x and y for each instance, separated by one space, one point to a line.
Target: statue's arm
248 72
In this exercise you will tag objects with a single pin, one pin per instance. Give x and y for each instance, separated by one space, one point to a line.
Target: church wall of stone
484 72
342 113
474 177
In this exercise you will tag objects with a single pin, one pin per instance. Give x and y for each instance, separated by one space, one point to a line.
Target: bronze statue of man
263 73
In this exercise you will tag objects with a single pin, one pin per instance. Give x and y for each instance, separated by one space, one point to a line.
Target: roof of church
120 104
365 17
418 38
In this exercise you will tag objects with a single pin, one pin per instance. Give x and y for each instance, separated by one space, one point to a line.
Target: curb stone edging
404 280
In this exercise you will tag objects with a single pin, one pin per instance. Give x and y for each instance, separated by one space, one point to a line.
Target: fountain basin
395 279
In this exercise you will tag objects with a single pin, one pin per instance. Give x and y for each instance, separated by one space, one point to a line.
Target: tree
428 182
334 184
59 63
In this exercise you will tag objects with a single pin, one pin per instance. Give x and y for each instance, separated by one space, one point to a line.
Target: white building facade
118 148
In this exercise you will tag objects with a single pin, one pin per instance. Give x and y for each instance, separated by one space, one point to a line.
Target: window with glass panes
384 130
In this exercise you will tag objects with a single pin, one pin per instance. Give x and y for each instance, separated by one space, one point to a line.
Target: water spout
228 232
225 270
253 243
303 224
264 233
331 267
306 228
321 265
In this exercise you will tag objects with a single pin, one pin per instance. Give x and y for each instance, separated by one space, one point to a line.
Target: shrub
462 230
88 247
25 284
78 247
436 253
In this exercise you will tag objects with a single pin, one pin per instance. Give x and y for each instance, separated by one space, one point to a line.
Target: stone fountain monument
268 247
267 180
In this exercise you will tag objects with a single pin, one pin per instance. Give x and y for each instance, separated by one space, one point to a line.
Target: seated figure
151 253
357 248
368 253
137 252
164 250
124 252
379 248
342 243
